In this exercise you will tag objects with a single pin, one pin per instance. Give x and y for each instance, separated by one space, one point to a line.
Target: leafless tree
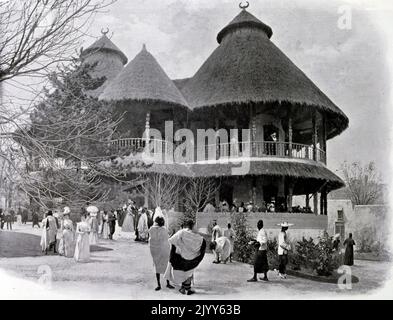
162 189
198 192
37 35
363 182
66 145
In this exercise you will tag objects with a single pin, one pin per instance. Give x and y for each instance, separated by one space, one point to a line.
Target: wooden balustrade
256 149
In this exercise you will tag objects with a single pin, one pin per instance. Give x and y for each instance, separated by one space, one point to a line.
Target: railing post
315 135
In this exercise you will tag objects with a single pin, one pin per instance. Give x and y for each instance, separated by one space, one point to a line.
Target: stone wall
370 223
305 225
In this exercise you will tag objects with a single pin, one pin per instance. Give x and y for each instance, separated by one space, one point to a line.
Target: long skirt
160 257
60 248
68 243
105 230
93 237
178 276
261 265
128 224
82 248
348 256
44 240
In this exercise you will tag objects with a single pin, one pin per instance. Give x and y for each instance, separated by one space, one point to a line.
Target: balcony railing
256 149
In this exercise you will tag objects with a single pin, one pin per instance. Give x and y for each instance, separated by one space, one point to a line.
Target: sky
349 64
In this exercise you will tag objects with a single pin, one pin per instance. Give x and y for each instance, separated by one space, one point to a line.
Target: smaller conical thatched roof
105 44
243 20
143 79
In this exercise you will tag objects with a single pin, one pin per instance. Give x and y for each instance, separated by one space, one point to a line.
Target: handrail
255 149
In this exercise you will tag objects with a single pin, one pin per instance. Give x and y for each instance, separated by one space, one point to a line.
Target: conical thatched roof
143 79
105 44
248 68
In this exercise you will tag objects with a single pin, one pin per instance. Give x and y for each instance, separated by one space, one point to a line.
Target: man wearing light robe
187 251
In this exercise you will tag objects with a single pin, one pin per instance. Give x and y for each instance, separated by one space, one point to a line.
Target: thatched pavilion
246 83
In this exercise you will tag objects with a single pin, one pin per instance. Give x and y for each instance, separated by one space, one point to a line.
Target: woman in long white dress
68 236
44 238
93 228
143 227
82 248
105 226
128 223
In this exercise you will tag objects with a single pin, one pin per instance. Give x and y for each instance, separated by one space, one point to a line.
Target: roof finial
144 47
244 6
105 32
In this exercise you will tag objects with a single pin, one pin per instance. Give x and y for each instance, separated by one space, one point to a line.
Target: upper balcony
234 150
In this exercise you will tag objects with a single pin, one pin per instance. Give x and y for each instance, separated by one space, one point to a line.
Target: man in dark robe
137 214
121 214
25 216
35 219
112 224
348 256
2 219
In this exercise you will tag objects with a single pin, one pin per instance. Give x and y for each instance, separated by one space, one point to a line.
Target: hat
66 210
92 209
285 224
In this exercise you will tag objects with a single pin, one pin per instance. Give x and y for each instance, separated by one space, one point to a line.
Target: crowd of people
175 257
250 206
8 217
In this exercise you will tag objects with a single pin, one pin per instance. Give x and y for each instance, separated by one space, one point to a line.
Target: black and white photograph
196 150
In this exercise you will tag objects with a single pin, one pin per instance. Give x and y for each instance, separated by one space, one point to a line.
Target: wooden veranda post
290 133
315 135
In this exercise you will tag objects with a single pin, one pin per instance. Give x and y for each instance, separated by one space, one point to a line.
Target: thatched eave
265 167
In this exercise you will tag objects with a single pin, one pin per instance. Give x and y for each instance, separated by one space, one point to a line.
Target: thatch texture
248 68
243 20
299 170
180 83
104 44
143 79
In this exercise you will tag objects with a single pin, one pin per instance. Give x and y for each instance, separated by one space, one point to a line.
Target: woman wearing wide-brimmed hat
93 223
283 248
68 239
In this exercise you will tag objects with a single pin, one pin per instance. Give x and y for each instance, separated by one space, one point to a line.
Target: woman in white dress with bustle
82 248
105 226
127 227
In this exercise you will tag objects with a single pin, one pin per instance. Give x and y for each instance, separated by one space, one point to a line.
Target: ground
123 269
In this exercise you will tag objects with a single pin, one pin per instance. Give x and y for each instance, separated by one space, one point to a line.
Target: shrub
318 257
187 215
304 255
210 227
325 262
243 251
272 253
